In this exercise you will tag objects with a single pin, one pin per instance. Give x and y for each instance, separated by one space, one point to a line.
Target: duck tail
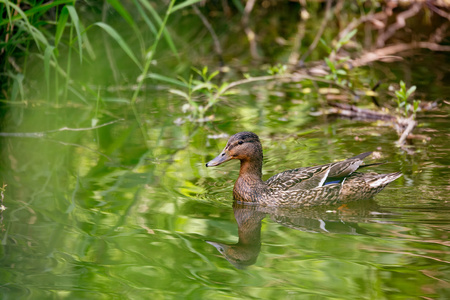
372 164
384 179
362 155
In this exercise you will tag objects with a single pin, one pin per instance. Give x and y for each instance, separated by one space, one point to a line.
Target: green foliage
54 30
278 69
201 94
402 99
338 73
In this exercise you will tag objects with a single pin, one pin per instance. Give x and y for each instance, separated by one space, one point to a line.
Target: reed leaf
41 9
47 57
158 20
116 36
184 4
122 11
61 25
25 23
17 87
128 18
76 22
167 79
146 19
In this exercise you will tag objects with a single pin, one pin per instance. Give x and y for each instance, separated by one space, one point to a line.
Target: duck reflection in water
343 220
290 195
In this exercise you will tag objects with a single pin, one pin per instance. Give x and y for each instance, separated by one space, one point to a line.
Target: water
98 214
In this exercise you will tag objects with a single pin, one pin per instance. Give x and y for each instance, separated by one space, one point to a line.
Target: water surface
100 214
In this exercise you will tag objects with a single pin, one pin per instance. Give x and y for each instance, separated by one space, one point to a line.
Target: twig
319 33
85 128
208 26
411 124
353 112
438 11
400 23
394 49
294 56
44 133
248 31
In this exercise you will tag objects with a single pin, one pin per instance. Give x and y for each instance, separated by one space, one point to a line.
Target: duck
327 184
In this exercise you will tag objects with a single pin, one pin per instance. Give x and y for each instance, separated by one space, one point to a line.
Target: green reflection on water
133 222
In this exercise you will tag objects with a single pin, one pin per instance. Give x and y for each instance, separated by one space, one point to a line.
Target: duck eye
240 142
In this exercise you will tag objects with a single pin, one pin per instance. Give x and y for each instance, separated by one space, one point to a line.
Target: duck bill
220 159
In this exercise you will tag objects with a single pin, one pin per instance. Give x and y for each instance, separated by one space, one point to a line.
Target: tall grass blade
76 22
167 79
62 22
25 23
148 61
41 9
116 36
127 17
87 44
184 4
145 17
122 11
167 36
47 57
238 5
17 87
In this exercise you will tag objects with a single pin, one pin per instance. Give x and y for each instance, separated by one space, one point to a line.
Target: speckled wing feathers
295 178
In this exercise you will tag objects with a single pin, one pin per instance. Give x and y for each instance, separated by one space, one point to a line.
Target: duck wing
311 177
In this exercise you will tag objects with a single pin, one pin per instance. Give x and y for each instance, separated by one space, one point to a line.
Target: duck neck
249 186
251 169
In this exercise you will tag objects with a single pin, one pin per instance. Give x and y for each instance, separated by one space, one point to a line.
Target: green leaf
167 79
184 4
179 93
200 86
17 87
144 16
62 21
76 22
116 36
47 57
410 91
330 65
348 36
324 43
122 11
238 5
166 34
213 74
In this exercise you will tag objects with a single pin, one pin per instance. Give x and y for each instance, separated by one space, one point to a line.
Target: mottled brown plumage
298 187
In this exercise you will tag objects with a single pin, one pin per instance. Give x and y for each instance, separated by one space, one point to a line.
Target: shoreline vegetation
327 63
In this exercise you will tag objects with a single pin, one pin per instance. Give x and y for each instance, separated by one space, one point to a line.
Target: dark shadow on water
342 219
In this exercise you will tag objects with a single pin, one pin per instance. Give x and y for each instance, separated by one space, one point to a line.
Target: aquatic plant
402 99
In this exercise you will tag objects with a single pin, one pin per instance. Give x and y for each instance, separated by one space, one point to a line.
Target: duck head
244 146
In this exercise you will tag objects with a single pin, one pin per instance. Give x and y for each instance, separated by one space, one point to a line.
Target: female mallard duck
331 183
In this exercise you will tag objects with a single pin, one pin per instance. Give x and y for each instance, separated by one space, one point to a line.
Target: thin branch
400 23
208 26
385 52
44 133
319 32
411 124
248 31
85 128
